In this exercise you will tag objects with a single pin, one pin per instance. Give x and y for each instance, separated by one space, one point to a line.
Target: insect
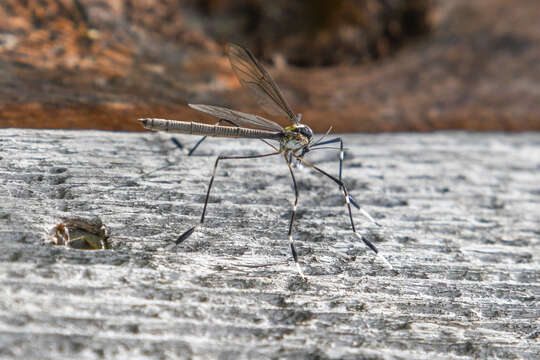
292 141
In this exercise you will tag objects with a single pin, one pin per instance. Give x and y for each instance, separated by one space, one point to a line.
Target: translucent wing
256 79
238 118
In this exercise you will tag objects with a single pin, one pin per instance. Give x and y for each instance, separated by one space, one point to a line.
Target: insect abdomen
194 128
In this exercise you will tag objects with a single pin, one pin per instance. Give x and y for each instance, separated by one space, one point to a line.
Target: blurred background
359 65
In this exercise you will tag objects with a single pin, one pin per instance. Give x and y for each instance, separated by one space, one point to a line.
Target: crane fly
293 141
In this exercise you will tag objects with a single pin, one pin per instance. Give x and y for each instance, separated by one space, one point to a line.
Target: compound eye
307 132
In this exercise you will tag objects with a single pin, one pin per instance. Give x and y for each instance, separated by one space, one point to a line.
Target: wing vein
254 77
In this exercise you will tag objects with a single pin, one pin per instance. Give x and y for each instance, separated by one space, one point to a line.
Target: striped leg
293 215
341 153
341 158
348 204
190 231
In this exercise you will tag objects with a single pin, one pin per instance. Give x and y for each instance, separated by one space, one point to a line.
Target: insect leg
348 204
177 143
341 158
190 231
364 212
293 214
341 153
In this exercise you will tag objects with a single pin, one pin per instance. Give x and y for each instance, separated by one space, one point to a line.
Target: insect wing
257 80
237 117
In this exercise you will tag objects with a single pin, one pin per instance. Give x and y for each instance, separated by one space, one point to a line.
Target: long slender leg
341 153
364 212
348 204
177 143
341 158
190 231
293 215
340 182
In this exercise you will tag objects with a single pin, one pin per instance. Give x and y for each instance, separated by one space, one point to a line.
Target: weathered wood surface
461 215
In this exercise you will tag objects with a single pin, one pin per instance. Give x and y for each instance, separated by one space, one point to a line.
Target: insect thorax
296 137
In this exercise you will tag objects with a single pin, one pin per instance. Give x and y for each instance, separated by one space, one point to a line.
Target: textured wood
461 216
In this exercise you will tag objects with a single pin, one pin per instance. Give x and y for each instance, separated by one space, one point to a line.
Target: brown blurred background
359 65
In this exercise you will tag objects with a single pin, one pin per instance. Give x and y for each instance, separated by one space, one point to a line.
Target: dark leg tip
295 256
185 235
177 143
353 202
370 245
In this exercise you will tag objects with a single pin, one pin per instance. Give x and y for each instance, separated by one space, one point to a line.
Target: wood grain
460 214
